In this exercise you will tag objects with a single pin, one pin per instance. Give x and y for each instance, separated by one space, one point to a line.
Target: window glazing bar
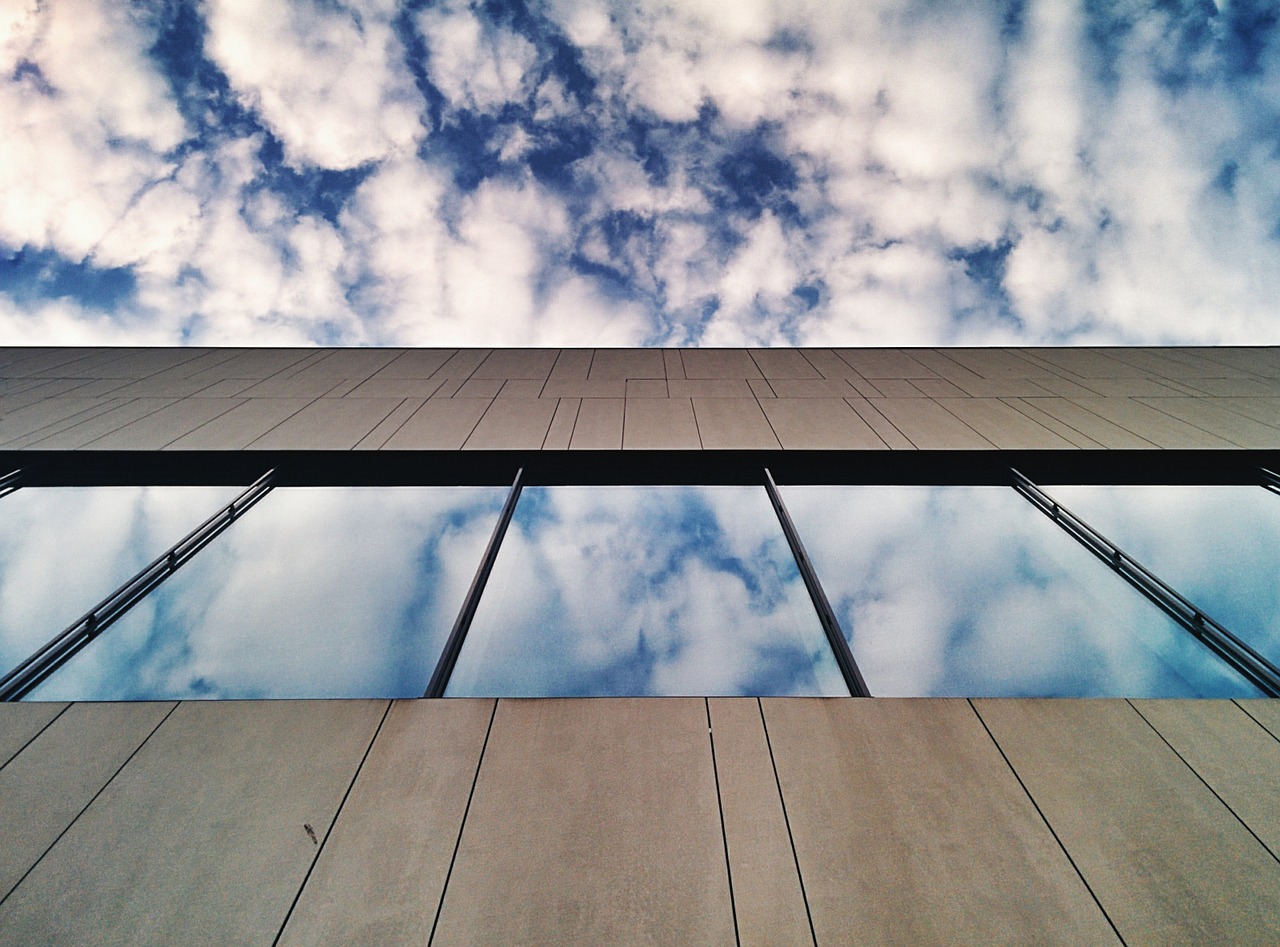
1270 480
27 675
453 645
1210 633
835 636
10 482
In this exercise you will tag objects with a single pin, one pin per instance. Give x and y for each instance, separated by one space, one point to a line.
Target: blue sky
593 173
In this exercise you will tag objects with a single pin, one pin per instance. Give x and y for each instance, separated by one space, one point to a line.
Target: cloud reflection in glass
316 592
970 591
645 591
64 549
1219 546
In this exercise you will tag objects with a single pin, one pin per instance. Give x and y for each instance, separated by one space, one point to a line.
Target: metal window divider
10 482
31 672
1213 635
458 634
826 615
1270 480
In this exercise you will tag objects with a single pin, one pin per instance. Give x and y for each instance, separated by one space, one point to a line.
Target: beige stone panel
1002 425
463 363
1266 410
601 388
811 424
941 388
239 426
883 427
1065 431
294 386
1262 361
518 363
898 388
204 360
382 386
1207 414
1091 425
486 388
1235 387
910 828
129 363
18 393
226 388
521 388
943 365
648 388
562 422
1001 387
50 415
783 363
812 388
599 424
387 427
762 389
1156 426
82 432
328 424
1130 387
203 837
54 362
163 427
884 363
416 363
1062 387
439 425
718 363
20 723
610 364
381 875
655 424
767 893
572 365
351 363
733 424
1087 363
170 386
1266 712
672 363
828 364
1228 750
1170 363
50 782
1167 860
513 424
929 426
708 388
593 822
992 363
258 363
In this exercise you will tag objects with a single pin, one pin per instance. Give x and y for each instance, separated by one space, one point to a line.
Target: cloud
601 173
329 80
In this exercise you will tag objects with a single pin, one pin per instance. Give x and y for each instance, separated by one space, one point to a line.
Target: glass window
1218 546
971 591
64 549
315 592
645 591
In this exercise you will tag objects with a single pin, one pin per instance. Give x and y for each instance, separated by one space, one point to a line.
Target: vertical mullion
453 645
835 636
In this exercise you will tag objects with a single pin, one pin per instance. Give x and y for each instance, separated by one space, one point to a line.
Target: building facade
976 537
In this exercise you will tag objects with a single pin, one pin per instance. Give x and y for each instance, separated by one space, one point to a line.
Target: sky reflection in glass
970 591
316 592
1219 546
645 591
64 549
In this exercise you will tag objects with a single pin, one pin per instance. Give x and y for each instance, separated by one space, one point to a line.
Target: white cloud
473 64
330 81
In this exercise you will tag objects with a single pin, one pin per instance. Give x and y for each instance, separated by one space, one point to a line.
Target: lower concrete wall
676 821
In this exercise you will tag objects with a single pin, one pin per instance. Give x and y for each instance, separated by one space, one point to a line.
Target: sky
594 173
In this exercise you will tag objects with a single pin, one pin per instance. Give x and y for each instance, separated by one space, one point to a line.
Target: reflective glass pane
971 591
645 591
315 592
64 549
1218 546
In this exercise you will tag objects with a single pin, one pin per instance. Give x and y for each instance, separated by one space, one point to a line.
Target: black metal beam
1270 480
458 635
826 615
1213 635
31 672
10 481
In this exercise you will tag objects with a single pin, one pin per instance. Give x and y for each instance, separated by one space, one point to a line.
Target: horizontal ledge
496 468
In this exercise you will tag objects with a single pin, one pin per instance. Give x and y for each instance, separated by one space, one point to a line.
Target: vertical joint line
724 834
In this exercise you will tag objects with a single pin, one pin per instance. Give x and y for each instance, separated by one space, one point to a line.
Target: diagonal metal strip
1212 634
31 672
